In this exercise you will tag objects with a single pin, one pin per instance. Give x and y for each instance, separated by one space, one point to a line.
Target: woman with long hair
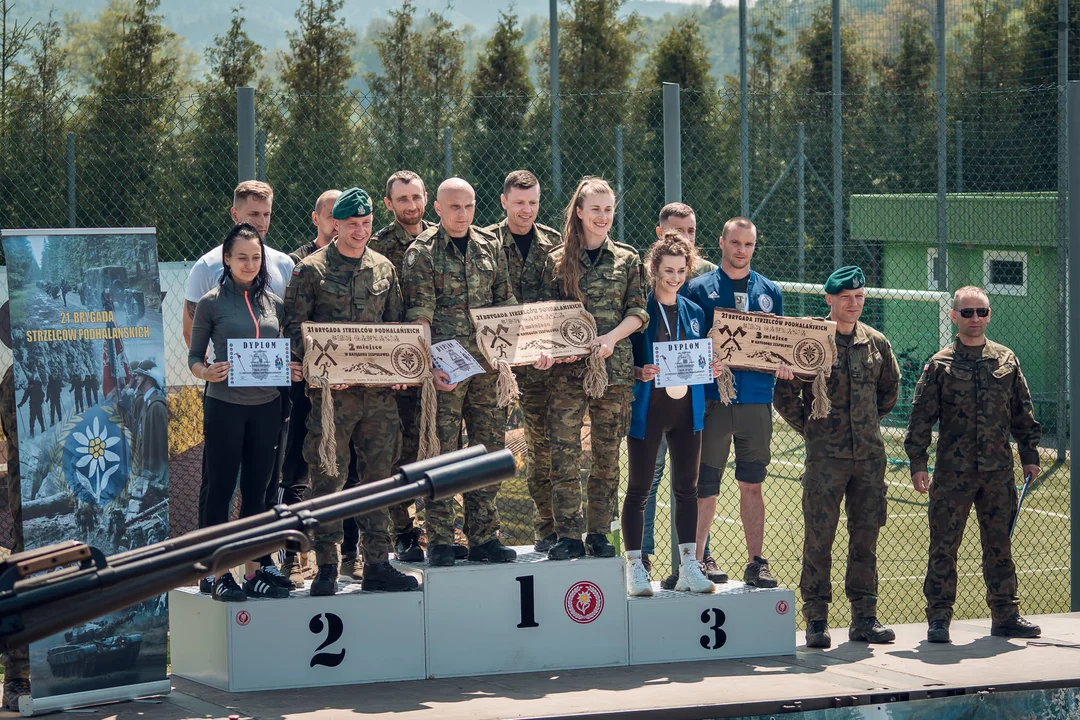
677 413
240 424
606 276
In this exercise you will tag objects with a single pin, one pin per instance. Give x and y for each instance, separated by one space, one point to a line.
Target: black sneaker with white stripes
206 585
261 585
276 578
226 589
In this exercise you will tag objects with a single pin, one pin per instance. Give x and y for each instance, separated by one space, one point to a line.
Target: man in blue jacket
747 421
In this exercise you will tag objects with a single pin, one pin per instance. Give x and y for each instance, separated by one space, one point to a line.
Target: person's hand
1032 470
544 362
340 386
296 371
442 380
568 359
647 373
216 372
399 388
717 367
606 345
783 372
920 481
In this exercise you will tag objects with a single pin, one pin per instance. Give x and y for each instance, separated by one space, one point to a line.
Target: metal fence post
1074 348
556 102
800 174
1063 385
672 145
959 156
942 270
71 179
619 170
448 152
744 118
260 155
838 140
245 134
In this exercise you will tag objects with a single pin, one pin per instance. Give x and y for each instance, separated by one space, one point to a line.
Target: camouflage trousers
609 418
368 417
408 403
475 402
861 485
534 402
951 496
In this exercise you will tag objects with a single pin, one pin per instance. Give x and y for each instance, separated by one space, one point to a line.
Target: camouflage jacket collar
990 350
399 233
502 231
607 246
444 239
334 255
859 334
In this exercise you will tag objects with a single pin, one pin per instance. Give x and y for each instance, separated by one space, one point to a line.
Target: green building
1005 243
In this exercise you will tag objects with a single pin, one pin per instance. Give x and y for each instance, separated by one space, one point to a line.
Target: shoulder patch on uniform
296 270
695 326
765 302
410 257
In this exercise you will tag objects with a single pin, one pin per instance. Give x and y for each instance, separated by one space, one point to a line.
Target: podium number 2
528 602
334 627
719 637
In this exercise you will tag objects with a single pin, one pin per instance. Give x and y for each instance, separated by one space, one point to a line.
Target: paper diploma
454 360
259 363
685 362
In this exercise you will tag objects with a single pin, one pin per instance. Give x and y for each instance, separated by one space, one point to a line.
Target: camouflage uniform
17 661
980 397
441 287
845 460
535 385
327 287
392 241
613 290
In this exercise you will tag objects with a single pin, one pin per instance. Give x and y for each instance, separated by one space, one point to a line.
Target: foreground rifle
84 584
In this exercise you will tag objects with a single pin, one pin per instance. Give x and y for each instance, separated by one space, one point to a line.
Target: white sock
688 552
632 555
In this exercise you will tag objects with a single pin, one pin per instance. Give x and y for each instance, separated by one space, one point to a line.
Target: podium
302 641
532 614
737 621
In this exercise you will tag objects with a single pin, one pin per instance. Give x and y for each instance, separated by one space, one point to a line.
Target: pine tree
440 84
502 94
319 148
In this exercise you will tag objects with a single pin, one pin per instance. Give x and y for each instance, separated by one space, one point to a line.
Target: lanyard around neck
663 314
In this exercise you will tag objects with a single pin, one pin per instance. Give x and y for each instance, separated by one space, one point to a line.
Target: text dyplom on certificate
686 362
259 363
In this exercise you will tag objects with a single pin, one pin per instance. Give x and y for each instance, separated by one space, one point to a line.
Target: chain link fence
171 163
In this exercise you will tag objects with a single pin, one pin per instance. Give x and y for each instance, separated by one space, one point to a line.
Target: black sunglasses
971 312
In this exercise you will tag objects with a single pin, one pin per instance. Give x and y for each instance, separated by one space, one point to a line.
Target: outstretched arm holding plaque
764 342
517 335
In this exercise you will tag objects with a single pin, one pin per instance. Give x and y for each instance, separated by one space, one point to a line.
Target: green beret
354 202
846 278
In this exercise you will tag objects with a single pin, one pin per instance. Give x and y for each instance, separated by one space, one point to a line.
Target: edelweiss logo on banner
584 602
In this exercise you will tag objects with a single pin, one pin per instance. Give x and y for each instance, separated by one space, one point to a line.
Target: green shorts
750 427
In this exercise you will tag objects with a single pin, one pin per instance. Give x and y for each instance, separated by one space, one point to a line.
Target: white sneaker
692 578
637 579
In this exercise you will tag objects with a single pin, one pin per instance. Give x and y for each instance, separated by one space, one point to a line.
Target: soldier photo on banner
95 461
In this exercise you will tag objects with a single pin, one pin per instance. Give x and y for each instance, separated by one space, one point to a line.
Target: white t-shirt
205 274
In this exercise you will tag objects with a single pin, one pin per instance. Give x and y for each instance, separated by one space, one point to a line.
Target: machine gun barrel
32 608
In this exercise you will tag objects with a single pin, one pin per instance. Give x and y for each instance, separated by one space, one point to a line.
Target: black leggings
674 418
239 439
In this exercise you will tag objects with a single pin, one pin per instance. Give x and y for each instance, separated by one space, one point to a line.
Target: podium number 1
528 602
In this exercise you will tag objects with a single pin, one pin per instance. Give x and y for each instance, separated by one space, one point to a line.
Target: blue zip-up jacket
715 290
692 327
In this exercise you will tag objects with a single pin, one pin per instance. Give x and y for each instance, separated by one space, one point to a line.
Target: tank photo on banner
89 364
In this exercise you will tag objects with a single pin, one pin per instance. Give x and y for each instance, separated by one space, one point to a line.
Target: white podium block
737 621
532 614
302 641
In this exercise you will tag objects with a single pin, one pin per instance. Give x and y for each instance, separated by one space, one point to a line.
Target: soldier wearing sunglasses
974 388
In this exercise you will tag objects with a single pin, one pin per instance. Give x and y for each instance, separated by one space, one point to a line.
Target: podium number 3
334 627
719 637
528 602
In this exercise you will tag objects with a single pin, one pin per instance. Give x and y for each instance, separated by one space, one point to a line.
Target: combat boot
546 543
407 546
14 688
757 574
938 632
713 571
868 629
1015 626
351 568
669 582
461 552
325 582
290 568
440 555
817 634
492 551
567 548
382 576
597 545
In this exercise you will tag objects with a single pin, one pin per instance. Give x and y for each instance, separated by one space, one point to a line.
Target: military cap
354 202
845 278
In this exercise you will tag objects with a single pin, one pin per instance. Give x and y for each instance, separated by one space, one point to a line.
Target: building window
1005 272
932 269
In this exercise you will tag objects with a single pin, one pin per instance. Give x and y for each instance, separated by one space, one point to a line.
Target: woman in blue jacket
677 412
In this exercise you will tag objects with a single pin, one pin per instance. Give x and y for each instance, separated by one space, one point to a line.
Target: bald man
450 269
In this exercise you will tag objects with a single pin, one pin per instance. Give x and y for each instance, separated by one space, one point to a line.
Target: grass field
1040 547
